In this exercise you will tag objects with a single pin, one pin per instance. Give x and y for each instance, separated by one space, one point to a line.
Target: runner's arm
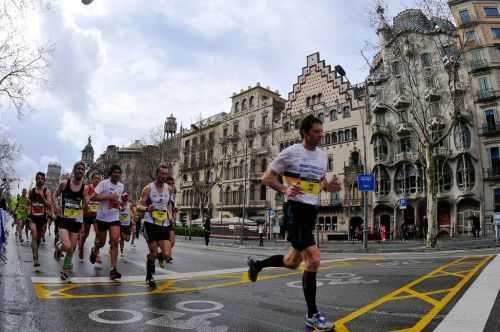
270 179
55 197
142 206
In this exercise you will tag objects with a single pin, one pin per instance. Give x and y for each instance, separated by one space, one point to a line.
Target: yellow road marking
171 286
479 262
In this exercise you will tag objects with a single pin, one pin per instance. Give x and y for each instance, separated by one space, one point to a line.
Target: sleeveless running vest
72 203
93 206
159 201
38 208
125 215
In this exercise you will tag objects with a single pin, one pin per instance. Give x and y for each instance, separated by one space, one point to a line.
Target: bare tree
22 65
428 122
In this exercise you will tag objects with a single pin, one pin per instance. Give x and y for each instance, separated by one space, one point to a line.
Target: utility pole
365 193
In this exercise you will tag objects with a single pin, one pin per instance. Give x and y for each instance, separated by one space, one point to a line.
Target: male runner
303 167
21 213
39 208
125 221
108 193
89 214
154 203
133 217
69 216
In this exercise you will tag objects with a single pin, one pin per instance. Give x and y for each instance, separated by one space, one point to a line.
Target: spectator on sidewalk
476 226
207 229
261 235
404 232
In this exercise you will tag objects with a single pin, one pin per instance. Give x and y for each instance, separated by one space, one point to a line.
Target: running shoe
151 282
98 262
318 322
65 277
114 274
169 259
67 265
162 262
36 264
253 272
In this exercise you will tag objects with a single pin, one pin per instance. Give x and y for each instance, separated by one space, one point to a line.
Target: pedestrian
125 222
207 228
476 226
260 229
303 168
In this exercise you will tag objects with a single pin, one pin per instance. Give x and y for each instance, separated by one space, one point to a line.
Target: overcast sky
121 66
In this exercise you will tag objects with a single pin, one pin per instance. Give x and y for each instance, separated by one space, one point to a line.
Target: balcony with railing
402 100
403 128
478 65
441 151
265 127
486 95
459 88
251 132
490 129
353 202
493 173
432 94
378 128
406 156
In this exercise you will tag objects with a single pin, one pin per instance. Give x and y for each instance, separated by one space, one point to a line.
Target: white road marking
473 310
171 276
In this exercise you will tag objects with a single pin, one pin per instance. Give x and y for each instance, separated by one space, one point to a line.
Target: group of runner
298 172
102 205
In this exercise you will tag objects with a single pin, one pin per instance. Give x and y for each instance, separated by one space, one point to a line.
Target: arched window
354 134
319 98
244 105
264 165
443 175
236 196
251 101
347 135
313 101
327 139
346 112
252 166
237 107
380 149
242 169
406 179
333 115
341 136
462 136
382 181
465 173
354 159
334 138
263 193
321 117
308 101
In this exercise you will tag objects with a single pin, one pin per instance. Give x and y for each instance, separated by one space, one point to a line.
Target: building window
429 82
250 143
495 161
465 16
354 134
489 116
333 114
264 141
396 68
465 173
251 123
382 181
426 59
263 165
470 36
334 138
252 166
491 11
498 51
244 105
263 193
321 117
497 200
341 136
225 132
462 136
380 149
495 33
250 101
237 107
327 139
235 148
308 101
443 176
235 129
408 179
286 126
380 119
252 192
347 112
347 134
330 163
405 144
484 86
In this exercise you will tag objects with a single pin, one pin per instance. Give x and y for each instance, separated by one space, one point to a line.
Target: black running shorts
300 219
70 225
88 220
103 226
39 221
154 232
126 229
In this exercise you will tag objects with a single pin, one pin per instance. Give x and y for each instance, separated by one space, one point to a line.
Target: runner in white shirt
157 222
303 167
108 192
125 221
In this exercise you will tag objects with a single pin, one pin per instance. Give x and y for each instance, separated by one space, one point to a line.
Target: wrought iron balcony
486 95
490 129
479 64
441 151
432 94
402 101
406 156
378 128
403 128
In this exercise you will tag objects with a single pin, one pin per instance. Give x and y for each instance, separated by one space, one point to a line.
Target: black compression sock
273 261
309 287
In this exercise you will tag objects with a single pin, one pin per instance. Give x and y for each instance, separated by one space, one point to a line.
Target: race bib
93 206
73 210
124 218
37 209
306 186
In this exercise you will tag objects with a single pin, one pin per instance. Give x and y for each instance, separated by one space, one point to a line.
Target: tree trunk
431 188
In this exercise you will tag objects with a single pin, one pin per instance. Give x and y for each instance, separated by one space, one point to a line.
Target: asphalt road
207 290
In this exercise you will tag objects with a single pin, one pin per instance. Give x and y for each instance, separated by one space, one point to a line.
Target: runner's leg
34 243
114 235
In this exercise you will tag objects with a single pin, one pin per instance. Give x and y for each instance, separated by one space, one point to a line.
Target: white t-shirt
109 212
304 168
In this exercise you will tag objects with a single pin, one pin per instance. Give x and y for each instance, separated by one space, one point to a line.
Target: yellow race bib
124 218
93 206
159 216
306 186
72 211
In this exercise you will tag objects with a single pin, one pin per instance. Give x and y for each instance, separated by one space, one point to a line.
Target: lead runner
303 167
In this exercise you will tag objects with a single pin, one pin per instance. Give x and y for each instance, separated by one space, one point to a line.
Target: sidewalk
350 247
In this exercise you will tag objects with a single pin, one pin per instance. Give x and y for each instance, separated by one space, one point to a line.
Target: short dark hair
78 163
307 123
114 168
170 178
161 166
40 174
95 174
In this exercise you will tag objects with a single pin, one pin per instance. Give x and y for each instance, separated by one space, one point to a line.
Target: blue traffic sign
366 182
403 203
